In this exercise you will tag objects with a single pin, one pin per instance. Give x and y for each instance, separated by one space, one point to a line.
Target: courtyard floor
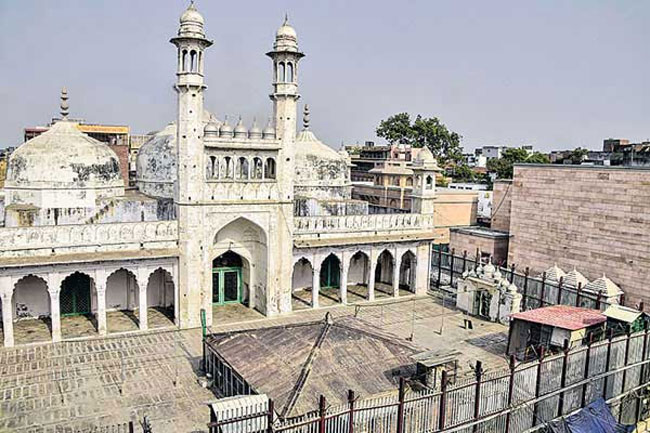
73 385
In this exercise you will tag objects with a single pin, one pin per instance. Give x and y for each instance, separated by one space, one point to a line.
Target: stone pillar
143 280
422 268
100 288
176 295
396 265
315 286
6 292
371 277
54 290
345 263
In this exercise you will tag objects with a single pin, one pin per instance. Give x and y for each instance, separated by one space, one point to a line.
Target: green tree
578 155
510 156
423 132
463 173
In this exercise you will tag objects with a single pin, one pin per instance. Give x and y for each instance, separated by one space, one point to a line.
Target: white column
315 286
6 292
143 279
345 263
55 314
422 267
371 277
177 293
396 265
100 289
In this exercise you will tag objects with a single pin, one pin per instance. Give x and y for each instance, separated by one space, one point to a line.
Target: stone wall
596 219
493 244
501 204
122 152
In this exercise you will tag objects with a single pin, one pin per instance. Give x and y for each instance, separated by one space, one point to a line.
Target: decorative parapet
26 241
361 224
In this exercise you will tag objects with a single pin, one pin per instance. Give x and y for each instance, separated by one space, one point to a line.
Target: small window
429 182
269 168
242 168
281 77
290 72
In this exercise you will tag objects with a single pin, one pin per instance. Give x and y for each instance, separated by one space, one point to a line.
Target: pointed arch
384 269
301 277
408 266
330 272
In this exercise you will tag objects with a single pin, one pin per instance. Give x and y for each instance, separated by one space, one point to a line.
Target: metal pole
439 267
525 294
541 295
559 291
607 361
464 261
578 294
451 273
351 411
511 390
586 374
538 383
269 421
400 409
443 401
322 408
565 362
477 393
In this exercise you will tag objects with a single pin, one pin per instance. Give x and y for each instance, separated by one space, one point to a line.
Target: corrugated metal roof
353 355
621 313
562 316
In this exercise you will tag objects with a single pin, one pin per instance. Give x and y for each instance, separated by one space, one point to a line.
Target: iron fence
512 400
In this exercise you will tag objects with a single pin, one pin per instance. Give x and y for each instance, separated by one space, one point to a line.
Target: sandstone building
222 214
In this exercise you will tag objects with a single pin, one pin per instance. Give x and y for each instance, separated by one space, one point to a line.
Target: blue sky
554 74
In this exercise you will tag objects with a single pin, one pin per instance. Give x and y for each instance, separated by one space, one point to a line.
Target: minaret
65 108
191 43
285 56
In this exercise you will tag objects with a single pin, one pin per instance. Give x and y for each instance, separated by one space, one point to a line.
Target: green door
75 295
330 276
226 285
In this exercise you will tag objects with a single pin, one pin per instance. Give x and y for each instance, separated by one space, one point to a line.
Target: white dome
321 172
156 164
425 155
64 158
191 16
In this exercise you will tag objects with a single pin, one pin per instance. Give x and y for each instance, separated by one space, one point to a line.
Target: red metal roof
562 316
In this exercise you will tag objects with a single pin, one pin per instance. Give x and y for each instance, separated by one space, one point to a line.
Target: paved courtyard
72 386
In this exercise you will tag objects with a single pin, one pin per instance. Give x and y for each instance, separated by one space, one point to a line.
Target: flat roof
481 232
562 316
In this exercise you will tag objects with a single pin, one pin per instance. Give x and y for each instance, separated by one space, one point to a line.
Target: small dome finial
64 103
305 117
286 19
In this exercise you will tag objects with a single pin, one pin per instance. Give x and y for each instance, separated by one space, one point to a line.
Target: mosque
259 217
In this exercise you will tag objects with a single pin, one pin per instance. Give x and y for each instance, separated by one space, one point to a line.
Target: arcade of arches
43 306
352 276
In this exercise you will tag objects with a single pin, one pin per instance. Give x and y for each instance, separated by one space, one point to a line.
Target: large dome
156 161
63 158
321 172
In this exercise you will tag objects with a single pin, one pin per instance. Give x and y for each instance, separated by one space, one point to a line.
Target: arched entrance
227 279
407 272
301 284
75 295
330 273
358 277
160 299
330 281
121 300
31 310
384 274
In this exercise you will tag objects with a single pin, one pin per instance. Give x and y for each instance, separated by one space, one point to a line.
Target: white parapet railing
26 241
362 223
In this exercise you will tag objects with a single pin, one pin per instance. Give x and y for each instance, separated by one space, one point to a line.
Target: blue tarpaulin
594 418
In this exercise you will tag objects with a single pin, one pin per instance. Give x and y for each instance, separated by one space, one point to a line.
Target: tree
423 132
578 155
463 173
510 156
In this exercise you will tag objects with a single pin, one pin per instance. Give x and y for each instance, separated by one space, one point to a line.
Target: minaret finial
64 103
305 117
286 19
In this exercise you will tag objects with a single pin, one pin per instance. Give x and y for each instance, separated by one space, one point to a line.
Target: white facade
222 223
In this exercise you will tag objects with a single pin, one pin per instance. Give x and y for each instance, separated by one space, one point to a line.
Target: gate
75 295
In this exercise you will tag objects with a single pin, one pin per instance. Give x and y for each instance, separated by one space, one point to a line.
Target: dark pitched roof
296 364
